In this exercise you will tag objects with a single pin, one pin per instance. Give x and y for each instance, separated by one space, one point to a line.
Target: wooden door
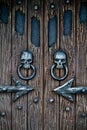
42 109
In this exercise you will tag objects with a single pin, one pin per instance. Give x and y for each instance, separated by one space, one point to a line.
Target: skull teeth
26 66
59 66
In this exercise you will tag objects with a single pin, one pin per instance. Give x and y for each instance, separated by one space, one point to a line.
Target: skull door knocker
60 60
26 63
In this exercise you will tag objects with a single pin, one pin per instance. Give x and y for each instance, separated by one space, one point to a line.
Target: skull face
26 59
60 58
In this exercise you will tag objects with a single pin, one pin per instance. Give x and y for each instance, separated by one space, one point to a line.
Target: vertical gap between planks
27 48
59 48
11 57
65 102
43 65
75 55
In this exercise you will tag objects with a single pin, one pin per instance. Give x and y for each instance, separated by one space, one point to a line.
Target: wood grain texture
43 115
5 71
19 43
35 112
67 44
81 71
51 110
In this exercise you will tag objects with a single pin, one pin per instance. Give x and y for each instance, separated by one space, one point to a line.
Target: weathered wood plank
67 44
35 110
19 43
43 115
81 71
5 71
51 110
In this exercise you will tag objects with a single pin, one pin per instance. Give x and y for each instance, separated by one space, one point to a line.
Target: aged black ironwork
67 90
67 109
52 23
19 89
4 13
51 100
83 12
19 22
84 115
19 107
67 1
26 63
2 114
35 31
35 24
60 60
36 100
36 7
52 31
19 2
52 6
67 22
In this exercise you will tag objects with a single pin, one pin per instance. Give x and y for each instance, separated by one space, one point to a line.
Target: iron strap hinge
67 90
19 89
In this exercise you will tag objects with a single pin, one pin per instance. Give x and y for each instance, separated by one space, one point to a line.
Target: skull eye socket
29 60
60 60
63 60
56 60
22 60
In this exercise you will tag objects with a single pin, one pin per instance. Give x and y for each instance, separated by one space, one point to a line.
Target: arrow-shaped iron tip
62 90
22 88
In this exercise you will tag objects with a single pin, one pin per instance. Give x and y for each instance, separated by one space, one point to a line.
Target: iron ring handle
59 78
29 77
